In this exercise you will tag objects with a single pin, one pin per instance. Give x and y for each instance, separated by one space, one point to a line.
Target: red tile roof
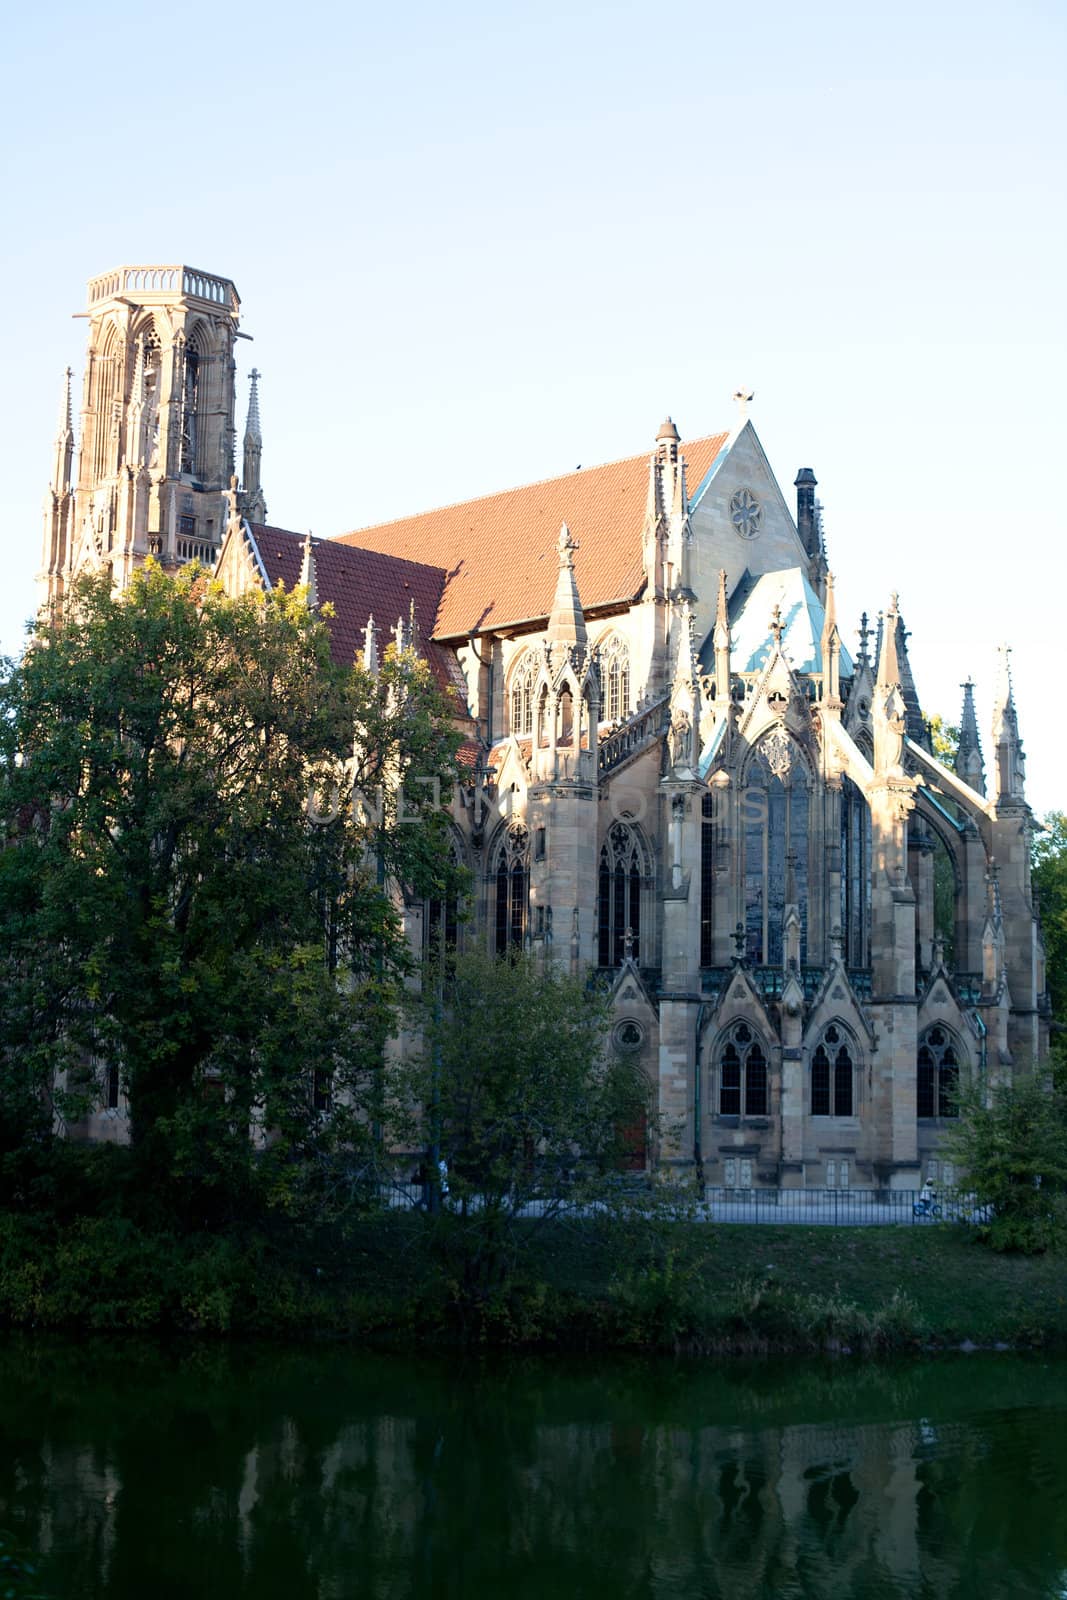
498 554
359 584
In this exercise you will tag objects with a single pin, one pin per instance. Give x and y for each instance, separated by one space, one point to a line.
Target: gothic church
677 773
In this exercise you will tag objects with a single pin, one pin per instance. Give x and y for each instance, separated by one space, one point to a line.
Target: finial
628 945
252 426
864 632
777 626
370 646
739 943
743 398
566 546
66 414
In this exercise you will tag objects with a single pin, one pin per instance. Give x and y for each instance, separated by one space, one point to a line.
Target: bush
1012 1145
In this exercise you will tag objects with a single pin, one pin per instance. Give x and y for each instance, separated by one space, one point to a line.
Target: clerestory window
619 896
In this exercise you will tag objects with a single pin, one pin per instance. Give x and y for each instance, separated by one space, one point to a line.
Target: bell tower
157 428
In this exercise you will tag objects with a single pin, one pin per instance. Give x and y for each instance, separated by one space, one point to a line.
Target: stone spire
913 711
889 710
255 505
308 574
685 697
831 650
64 448
1010 765
370 647
721 643
969 764
566 624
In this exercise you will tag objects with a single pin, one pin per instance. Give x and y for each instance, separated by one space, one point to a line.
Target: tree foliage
1050 885
169 903
516 1090
1011 1142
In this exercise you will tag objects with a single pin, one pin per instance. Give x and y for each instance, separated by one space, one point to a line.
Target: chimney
807 522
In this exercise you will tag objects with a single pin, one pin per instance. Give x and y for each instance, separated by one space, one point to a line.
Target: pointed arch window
774 812
615 669
523 678
938 1074
742 1070
833 1073
855 875
511 889
619 886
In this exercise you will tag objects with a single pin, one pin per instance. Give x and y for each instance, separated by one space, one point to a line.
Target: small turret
969 764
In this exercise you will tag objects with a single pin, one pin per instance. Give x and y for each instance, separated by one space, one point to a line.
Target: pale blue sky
479 245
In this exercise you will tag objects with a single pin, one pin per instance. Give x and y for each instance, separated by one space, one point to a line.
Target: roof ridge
517 488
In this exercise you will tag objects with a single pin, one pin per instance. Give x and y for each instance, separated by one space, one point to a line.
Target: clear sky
478 245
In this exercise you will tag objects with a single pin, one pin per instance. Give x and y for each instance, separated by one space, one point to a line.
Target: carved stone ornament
746 513
777 749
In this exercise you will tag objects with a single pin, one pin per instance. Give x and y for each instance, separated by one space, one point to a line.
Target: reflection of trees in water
334 1473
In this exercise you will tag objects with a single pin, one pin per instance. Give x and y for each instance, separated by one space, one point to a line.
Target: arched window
774 815
742 1064
622 863
938 1075
833 1072
707 879
523 676
855 875
511 880
192 406
615 673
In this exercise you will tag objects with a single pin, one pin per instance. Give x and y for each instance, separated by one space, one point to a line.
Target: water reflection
333 1474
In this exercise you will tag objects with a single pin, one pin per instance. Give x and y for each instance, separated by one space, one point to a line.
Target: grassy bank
717 1288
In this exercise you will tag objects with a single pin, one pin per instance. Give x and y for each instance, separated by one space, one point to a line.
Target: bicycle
927 1205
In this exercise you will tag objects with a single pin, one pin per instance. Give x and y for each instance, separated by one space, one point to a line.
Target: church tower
157 429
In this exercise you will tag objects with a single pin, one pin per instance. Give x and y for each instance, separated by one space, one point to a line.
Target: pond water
330 1472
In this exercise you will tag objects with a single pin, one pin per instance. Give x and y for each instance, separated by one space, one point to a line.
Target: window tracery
511 879
615 676
774 814
833 1071
742 1067
938 1074
523 678
622 873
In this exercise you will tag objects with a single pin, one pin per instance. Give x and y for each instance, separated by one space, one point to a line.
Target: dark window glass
924 1086
707 883
842 1083
948 1084
501 907
604 914
730 1083
112 1089
755 1083
820 1083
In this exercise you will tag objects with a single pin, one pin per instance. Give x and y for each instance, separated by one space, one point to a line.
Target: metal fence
840 1208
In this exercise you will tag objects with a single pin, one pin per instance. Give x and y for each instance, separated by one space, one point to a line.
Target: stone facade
678 774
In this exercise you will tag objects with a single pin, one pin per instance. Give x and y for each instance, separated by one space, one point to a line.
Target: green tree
944 738
516 1090
170 904
1050 885
1011 1143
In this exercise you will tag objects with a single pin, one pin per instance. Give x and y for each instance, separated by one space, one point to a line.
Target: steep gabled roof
499 553
802 614
359 584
